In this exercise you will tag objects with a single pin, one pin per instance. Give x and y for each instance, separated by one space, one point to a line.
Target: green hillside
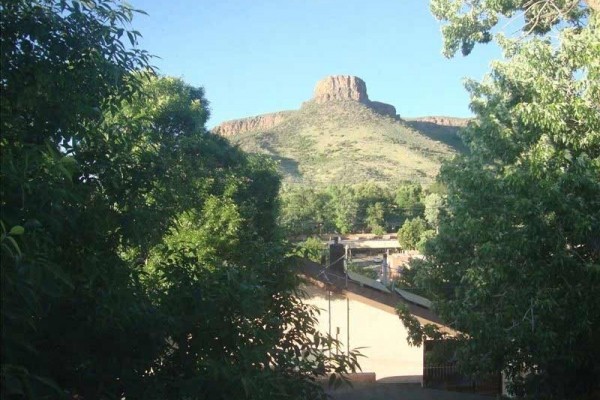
346 142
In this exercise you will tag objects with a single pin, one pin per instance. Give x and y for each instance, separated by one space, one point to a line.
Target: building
368 249
361 313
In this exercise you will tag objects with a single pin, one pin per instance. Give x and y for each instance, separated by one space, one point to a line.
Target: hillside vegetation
346 142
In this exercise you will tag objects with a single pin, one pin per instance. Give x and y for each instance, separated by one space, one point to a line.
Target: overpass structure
369 243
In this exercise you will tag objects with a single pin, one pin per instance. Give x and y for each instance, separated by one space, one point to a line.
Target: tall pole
329 301
348 327
346 264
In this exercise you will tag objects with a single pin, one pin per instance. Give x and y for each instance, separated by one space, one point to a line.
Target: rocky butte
336 88
347 87
442 121
341 87
258 123
341 136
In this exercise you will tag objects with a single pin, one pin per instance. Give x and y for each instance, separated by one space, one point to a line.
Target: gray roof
413 298
363 280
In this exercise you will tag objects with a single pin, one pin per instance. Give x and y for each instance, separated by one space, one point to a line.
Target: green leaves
63 283
345 208
140 254
411 232
312 249
471 22
511 265
16 230
8 243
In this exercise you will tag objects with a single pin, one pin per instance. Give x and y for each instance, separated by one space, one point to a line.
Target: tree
374 205
471 22
375 218
66 293
515 268
344 208
305 210
411 233
338 208
312 248
140 253
433 205
408 200
202 228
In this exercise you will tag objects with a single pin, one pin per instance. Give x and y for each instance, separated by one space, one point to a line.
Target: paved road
394 391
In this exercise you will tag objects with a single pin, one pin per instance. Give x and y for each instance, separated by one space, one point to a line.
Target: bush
409 236
312 249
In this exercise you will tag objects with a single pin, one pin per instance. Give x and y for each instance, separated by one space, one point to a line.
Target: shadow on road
398 391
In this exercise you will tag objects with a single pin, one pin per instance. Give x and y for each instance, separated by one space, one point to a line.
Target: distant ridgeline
340 136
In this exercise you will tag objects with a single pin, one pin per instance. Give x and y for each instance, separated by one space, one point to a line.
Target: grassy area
346 142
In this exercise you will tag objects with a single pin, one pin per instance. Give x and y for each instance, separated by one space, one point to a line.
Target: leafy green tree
409 200
515 267
471 21
375 207
140 255
312 248
412 233
375 218
211 257
67 296
305 210
433 206
344 208
294 213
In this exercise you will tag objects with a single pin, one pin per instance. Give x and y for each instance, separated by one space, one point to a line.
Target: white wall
375 327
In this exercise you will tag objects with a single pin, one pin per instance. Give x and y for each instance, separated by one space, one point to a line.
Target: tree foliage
140 255
375 218
344 208
414 233
470 22
66 294
313 249
409 199
515 267
434 204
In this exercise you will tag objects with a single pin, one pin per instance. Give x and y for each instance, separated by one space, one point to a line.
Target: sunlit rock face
329 89
341 87
443 121
347 87
260 122
383 108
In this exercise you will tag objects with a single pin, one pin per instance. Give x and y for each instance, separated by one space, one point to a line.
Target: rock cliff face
260 122
442 121
329 89
347 87
340 136
383 108
341 87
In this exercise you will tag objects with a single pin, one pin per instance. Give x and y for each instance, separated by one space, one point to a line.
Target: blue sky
260 56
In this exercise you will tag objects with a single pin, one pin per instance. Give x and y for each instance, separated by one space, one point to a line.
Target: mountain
341 136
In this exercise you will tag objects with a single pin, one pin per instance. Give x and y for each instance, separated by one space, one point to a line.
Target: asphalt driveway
399 391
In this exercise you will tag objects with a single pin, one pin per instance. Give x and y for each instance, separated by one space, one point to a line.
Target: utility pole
348 327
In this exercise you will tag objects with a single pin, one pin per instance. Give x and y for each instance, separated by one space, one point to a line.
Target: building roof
361 289
363 280
370 243
413 298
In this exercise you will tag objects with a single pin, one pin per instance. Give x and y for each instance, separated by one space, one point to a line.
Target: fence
441 372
